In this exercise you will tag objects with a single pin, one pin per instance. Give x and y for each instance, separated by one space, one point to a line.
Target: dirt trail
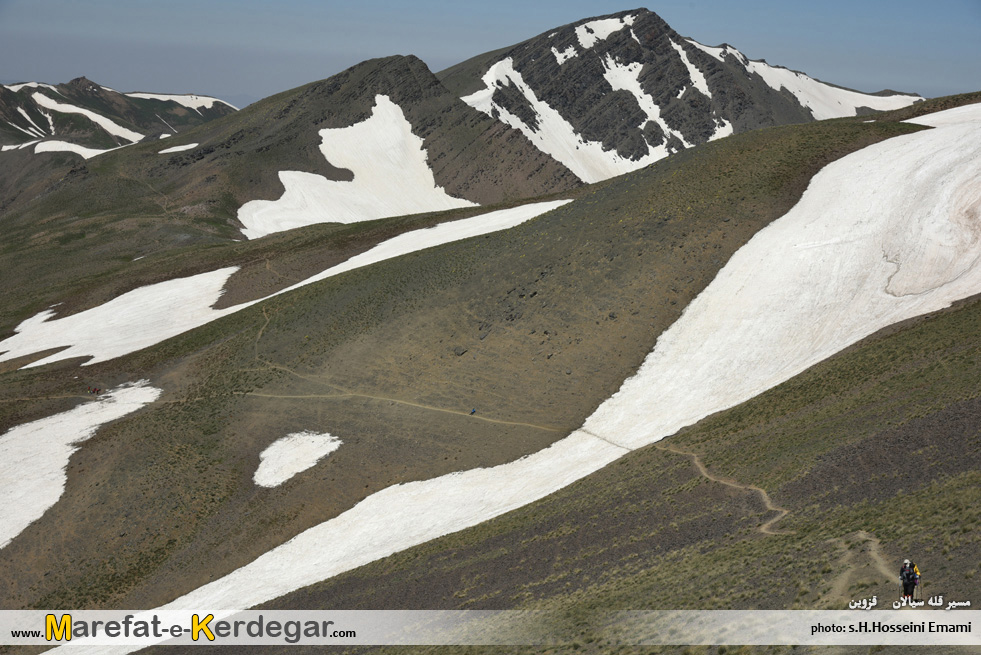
347 393
862 567
767 526
861 563
399 402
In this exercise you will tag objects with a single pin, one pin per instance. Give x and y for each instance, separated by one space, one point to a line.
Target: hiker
473 411
909 576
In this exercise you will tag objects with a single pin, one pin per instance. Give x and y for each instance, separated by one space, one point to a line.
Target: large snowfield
887 233
391 178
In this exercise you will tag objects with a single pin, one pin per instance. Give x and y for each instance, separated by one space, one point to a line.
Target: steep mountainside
612 94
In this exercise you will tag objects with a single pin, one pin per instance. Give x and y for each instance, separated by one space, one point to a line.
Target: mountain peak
611 94
82 83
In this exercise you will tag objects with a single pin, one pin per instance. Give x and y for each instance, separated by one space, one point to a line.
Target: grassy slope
552 315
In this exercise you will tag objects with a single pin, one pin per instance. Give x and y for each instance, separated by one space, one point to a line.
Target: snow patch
626 77
50 118
137 319
166 136
955 116
23 113
190 101
721 52
31 85
19 146
64 146
591 33
186 146
391 178
723 128
294 453
564 55
148 315
109 126
697 76
26 131
823 100
34 456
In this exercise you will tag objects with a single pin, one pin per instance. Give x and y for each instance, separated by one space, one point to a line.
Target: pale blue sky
243 50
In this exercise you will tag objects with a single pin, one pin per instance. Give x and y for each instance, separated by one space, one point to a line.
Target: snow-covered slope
391 178
190 101
884 234
107 124
610 95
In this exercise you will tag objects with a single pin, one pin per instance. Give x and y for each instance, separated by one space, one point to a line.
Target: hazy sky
243 50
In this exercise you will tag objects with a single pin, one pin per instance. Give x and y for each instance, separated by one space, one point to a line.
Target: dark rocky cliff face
570 69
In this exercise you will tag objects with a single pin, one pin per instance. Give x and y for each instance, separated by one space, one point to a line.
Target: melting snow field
294 453
186 146
884 234
148 315
134 320
33 456
190 101
391 178
64 146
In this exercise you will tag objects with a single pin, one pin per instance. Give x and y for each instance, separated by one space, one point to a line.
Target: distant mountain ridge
86 118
